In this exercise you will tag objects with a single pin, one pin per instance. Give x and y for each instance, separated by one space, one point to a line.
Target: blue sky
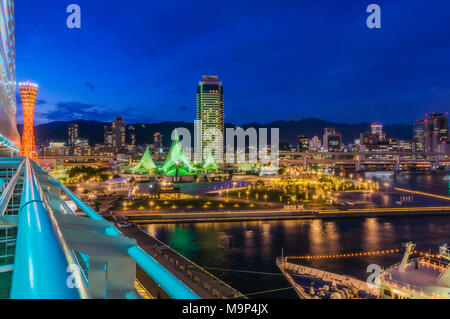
280 59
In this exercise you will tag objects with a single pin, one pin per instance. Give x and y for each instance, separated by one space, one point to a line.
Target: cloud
73 110
90 85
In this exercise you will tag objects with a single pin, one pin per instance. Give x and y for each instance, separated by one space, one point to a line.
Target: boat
423 277
447 178
311 283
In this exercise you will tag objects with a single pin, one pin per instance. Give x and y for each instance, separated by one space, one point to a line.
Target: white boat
424 277
447 178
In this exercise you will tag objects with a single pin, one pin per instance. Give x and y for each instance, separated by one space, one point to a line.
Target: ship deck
324 284
425 279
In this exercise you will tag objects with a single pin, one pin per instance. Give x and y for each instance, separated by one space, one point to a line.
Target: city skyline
149 196
340 78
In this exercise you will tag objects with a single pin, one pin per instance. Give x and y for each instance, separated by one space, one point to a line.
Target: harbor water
243 254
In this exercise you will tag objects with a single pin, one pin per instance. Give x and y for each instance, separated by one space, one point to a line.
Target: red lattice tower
28 92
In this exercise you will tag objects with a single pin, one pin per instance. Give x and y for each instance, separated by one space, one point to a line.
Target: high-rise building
9 136
419 135
376 129
332 140
28 92
315 144
82 147
118 134
73 136
210 111
302 143
374 136
435 132
108 136
158 140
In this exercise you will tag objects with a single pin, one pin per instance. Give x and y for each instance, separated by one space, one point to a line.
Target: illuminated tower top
28 92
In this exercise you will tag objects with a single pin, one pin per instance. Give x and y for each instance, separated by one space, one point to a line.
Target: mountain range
289 130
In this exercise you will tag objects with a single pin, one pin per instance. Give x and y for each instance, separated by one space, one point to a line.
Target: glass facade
8 128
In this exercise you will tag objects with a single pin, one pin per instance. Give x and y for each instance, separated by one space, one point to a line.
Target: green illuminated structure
145 165
210 164
177 164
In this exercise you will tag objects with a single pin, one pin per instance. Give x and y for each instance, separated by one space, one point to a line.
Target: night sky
142 59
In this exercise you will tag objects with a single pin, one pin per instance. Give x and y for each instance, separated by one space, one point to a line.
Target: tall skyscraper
210 111
9 136
435 131
118 134
28 92
73 135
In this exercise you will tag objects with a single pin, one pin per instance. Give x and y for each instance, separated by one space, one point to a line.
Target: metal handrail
41 265
174 287
7 194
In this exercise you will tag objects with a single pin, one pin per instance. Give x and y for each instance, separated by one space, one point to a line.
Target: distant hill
289 130
310 127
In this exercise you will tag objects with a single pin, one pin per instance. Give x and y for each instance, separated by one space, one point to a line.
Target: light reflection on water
255 245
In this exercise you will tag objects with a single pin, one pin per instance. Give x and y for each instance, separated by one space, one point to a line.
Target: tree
259 184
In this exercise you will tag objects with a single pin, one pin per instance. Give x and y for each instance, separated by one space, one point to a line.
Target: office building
302 144
419 135
332 140
72 133
435 131
108 136
118 134
315 144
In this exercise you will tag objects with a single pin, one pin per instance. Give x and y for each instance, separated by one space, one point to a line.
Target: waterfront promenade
390 203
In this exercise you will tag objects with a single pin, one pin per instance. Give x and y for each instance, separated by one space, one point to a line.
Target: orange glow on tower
28 92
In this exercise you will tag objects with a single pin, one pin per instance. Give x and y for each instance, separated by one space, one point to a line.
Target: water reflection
255 245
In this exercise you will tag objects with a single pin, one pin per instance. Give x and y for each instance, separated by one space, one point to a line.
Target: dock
146 217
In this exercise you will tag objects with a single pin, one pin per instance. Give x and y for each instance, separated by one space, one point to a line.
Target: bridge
84 160
362 160
47 251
